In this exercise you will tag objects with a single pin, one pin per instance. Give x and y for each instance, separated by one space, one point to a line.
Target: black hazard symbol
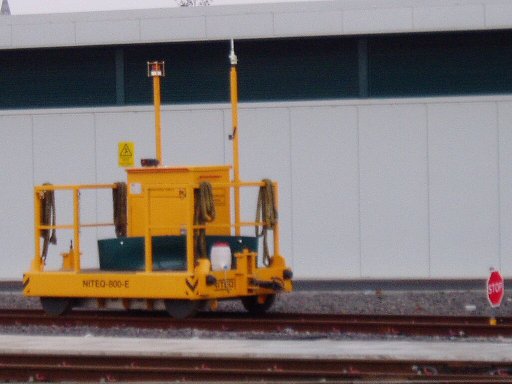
192 283
126 152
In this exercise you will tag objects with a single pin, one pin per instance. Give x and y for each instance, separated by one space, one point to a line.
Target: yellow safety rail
189 226
76 219
148 189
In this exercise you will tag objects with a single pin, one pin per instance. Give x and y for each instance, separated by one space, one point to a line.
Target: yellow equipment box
169 208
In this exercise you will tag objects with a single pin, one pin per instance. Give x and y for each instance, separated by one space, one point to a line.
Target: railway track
58 367
55 368
447 326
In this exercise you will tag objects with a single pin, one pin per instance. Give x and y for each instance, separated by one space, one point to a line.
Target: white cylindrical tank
220 257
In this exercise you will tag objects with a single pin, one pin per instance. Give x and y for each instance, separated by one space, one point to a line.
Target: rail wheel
56 306
258 304
181 309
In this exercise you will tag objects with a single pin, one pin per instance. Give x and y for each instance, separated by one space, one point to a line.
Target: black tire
181 309
55 306
255 304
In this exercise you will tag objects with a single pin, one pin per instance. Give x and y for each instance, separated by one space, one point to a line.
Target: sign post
495 291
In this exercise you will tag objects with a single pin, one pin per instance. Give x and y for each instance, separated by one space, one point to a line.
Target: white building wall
393 173
464 180
325 191
16 179
314 18
409 188
505 184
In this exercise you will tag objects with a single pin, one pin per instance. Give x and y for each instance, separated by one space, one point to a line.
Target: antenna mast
234 135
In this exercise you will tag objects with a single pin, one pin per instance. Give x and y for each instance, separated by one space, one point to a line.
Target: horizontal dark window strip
298 69
195 73
309 68
440 64
43 78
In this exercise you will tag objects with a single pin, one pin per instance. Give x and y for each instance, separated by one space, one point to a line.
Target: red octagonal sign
495 288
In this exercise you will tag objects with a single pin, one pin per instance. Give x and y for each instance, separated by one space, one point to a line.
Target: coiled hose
266 213
119 193
204 212
48 218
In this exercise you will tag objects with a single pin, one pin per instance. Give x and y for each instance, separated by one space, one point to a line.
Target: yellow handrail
38 227
189 225
56 187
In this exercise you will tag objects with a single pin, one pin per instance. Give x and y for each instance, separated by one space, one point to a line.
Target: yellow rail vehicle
177 245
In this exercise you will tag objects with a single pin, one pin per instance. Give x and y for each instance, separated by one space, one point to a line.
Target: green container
169 252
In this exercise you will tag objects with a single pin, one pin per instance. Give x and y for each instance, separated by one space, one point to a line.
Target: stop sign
495 288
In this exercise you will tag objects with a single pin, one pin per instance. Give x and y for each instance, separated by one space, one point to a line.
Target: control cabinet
170 203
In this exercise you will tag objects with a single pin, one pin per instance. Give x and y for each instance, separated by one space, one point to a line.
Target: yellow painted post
148 249
158 126
277 251
190 231
37 232
156 69
76 228
234 114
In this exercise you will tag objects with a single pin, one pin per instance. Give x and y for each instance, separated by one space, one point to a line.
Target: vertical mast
234 135
156 69
158 123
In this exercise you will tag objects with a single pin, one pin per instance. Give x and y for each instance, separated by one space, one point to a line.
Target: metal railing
189 225
75 226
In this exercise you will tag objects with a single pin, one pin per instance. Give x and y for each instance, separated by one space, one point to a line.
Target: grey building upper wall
322 18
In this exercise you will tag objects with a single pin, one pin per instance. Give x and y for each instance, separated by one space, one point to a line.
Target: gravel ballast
462 303
332 302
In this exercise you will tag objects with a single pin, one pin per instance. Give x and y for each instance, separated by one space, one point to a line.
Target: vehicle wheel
258 304
181 309
56 306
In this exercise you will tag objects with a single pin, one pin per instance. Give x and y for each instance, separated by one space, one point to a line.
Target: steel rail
55 367
447 326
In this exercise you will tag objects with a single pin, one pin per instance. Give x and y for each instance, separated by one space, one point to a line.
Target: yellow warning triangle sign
126 154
